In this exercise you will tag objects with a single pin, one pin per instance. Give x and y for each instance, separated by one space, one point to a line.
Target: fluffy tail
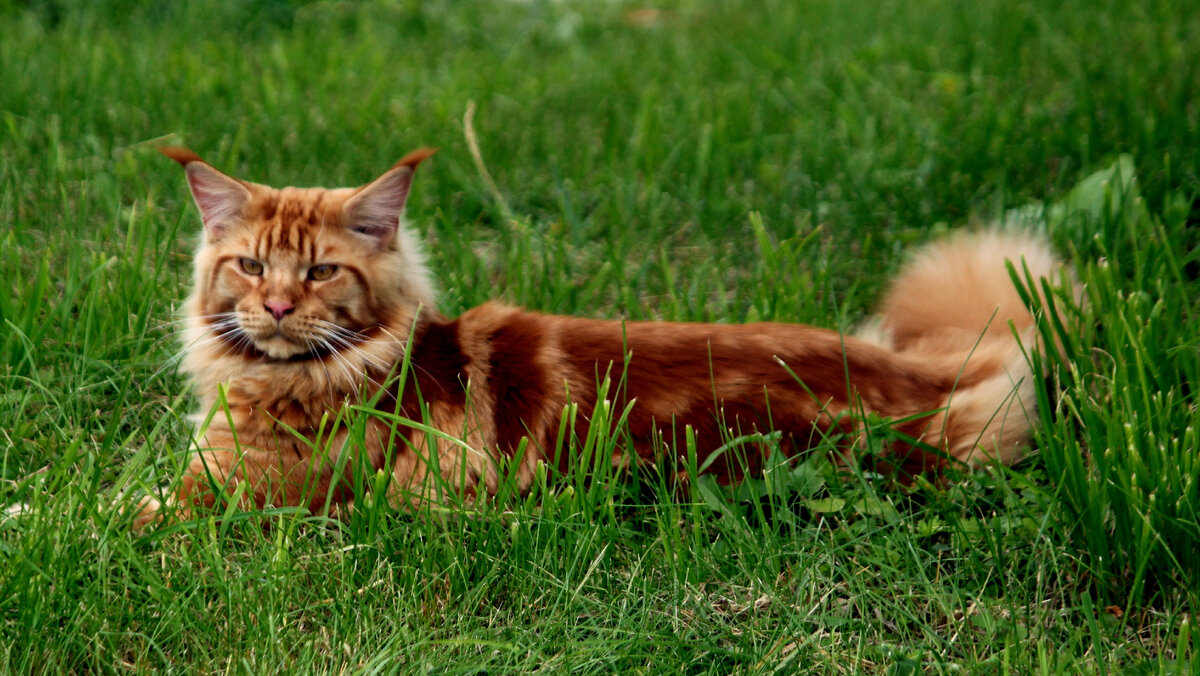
954 307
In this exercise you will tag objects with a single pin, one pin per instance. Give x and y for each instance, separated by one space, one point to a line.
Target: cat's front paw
147 511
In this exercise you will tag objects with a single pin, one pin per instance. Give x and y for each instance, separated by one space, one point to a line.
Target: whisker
329 384
221 326
403 347
341 362
352 341
189 318
241 341
213 337
368 359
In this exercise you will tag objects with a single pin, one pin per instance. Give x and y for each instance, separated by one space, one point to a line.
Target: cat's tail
954 307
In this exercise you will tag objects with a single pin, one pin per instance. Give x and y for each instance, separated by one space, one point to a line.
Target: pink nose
279 308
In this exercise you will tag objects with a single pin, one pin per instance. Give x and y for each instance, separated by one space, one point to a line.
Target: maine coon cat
306 299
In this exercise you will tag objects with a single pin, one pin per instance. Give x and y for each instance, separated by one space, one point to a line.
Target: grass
705 161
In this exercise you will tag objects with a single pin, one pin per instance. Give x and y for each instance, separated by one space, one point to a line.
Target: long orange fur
283 348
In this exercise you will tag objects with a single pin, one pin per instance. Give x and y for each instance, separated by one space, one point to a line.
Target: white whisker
192 318
403 347
341 362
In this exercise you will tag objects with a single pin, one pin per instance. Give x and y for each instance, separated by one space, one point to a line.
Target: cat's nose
279 308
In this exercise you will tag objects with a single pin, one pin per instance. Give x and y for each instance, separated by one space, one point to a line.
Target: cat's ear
375 210
220 198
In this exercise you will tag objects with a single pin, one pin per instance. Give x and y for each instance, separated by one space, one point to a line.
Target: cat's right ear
375 210
220 198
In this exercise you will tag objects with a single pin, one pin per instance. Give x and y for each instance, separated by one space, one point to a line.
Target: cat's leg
432 468
255 478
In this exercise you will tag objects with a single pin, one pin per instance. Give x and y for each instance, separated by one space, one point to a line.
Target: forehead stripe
307 247
211 283
296 238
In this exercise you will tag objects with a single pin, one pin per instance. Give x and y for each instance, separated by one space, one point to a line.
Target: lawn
681 160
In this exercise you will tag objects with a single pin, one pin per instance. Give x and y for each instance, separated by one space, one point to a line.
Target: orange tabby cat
305 299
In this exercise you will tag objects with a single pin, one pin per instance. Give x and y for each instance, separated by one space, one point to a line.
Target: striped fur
289 351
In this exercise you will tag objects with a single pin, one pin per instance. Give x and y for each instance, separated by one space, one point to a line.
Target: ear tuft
416 157
375 210
180 154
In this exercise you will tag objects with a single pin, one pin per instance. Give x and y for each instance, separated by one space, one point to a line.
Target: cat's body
305 300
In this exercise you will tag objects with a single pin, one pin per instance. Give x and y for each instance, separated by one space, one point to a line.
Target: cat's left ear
376 208
220 198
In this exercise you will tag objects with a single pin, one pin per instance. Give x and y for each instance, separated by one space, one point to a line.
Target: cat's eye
251 266
322 272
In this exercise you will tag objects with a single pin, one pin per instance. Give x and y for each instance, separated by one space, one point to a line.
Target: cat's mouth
282 345
271 342
279 345
280 341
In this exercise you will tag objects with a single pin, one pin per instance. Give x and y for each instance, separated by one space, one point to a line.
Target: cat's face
298 273
292 279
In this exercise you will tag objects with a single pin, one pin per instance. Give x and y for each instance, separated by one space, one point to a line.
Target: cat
309 299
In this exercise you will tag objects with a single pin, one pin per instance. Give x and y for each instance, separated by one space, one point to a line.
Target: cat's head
296 273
